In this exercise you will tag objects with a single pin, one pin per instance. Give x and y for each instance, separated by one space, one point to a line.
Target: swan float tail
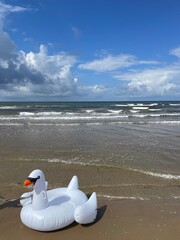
87 212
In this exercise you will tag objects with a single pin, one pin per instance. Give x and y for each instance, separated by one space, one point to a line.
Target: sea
121 150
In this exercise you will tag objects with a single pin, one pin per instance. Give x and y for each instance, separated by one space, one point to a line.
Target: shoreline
116 219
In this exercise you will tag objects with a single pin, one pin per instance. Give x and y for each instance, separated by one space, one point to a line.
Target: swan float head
37 180
33 177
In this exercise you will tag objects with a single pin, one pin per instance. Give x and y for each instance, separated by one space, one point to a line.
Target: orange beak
27 182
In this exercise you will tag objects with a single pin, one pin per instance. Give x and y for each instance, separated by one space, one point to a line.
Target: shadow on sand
100 214
15 203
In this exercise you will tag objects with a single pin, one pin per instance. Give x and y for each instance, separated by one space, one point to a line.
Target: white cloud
175 52
6 45
76 31
49 65
97 90
40 73
5 9
158 81
4 64
111 63
33 74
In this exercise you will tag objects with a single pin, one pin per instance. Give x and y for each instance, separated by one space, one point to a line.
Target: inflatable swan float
44 210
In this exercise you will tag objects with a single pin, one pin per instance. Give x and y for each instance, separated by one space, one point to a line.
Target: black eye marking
33 180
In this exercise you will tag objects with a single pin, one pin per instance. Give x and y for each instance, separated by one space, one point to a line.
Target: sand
119 219
116 220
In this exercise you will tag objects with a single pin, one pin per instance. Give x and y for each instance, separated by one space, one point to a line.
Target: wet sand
116 220
153 219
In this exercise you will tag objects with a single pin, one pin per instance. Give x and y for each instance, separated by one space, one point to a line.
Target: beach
128 153
116 219
127 218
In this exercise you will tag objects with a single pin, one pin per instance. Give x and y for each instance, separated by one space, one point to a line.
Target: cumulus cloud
96 90
33 74
158 81
38 74
139 77
110 63
6 45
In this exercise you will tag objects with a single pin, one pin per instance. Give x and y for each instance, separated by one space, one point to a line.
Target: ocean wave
120 105
140 108
155 109
8 107
174 104
98 163
155 174
136 105
134 111
64 116
115 111
40 113
89 111
75 162
113 197
165 122
156 115
11 124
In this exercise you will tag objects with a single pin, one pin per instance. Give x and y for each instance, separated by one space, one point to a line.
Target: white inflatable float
44 210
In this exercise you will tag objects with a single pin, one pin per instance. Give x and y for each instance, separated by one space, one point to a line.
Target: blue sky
79 50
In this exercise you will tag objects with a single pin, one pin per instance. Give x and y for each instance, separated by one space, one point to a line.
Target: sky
98 50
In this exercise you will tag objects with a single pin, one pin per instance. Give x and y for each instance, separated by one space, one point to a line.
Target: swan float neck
37 179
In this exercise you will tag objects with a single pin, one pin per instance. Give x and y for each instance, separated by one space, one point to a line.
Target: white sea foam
89 110
160 175
174 104
155 109
69 116
152 104
11 124
94 123
113 197
165 122
40 114
8 107
131 104
134 111
140 108
121 122
115 111
26 114
75 162
157 115
140 115
120 105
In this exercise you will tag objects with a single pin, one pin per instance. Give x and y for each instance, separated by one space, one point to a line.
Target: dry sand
116 220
